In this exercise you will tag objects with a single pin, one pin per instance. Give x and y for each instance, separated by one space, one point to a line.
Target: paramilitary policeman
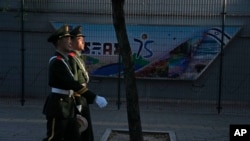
60 108
77 63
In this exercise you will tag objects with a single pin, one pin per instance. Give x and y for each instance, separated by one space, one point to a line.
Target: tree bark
133 112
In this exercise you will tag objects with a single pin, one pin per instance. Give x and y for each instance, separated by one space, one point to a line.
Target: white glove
101 101
79 107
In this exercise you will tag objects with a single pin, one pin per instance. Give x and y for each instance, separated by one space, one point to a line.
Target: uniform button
61 99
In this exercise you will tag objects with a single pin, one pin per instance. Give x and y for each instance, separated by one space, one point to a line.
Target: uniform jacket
61 77
80 73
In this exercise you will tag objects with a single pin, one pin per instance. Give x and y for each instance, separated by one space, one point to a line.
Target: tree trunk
133 112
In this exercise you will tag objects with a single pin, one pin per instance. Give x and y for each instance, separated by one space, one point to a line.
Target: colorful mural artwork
159 52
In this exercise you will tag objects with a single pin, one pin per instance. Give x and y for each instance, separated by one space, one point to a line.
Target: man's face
65 44
78 43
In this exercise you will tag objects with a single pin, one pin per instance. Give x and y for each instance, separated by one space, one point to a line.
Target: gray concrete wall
235 83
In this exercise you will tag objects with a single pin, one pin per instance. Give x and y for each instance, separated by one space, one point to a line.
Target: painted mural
159 52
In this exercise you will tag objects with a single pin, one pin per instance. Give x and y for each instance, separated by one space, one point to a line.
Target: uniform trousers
87 135
62 130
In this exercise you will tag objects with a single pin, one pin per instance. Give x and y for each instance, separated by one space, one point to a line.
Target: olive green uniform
80 74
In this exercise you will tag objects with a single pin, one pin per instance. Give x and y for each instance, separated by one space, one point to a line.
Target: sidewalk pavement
189 122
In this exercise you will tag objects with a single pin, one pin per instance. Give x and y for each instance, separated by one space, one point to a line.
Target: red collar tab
72 54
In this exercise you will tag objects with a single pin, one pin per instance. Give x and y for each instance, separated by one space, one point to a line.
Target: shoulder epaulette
56 58
59 58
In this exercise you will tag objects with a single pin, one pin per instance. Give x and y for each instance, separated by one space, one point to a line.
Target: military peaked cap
76 32
63 31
